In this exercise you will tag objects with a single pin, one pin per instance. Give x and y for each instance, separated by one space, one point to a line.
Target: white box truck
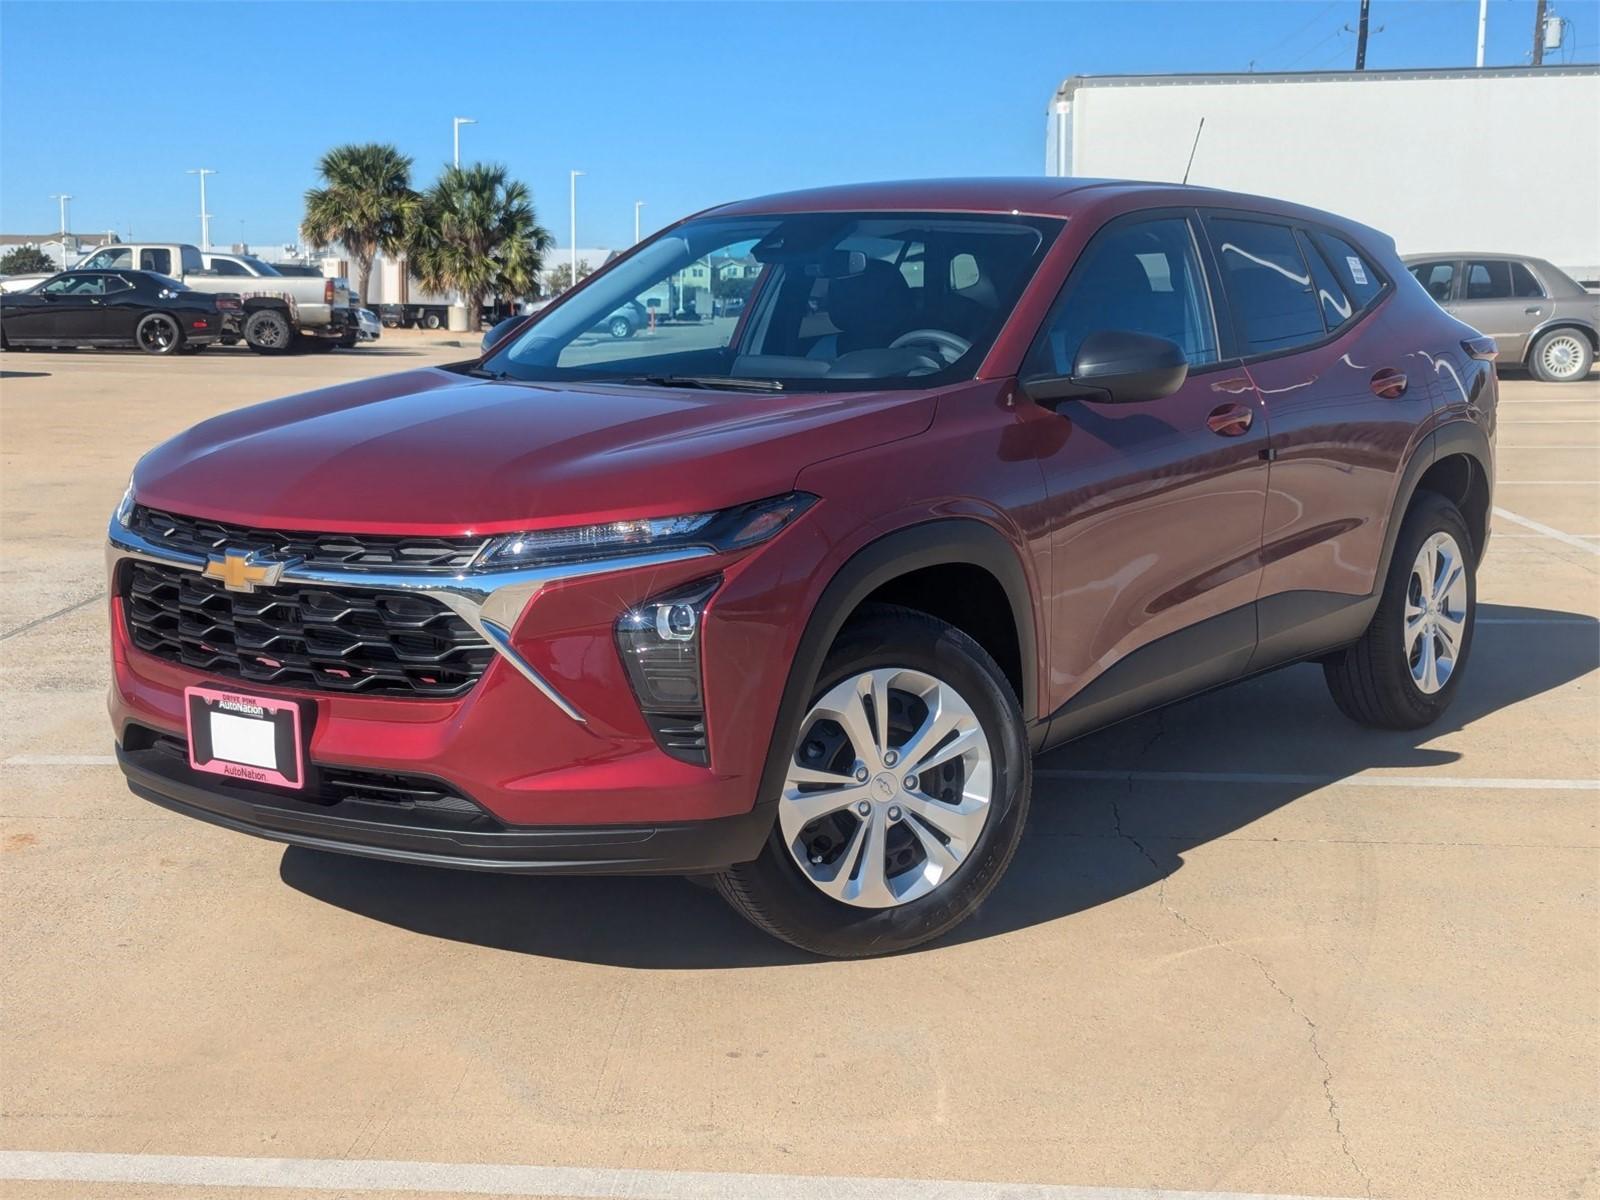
1494 159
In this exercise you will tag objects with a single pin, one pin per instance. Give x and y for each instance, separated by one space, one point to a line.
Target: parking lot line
1548 531
491 1179
1361 780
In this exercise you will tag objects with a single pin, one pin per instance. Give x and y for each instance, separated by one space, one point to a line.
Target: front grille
377 643
346 551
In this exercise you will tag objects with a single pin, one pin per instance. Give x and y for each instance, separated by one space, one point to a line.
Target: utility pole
62 199
205 217
637 205
1483 24
455 130
1538 35
1361 36
573 281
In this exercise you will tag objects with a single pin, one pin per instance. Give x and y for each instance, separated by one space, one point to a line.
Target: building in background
1494 159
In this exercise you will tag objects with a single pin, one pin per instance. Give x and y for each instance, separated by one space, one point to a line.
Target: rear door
1501 297
1156 507
1346 396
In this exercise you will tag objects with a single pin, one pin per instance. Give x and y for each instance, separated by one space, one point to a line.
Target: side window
60 285
223 266
159 261
1436 277
88 285
1488 281
191 260
1523 285
1269 285
116 283
1355 272
1142 277
1336 306
109 260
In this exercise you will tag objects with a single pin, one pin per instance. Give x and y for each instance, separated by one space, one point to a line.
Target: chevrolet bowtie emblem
243 570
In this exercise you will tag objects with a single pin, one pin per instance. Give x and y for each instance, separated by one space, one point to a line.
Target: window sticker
1358 272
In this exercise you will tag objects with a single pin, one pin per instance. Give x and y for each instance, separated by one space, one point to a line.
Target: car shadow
1088 841
24 374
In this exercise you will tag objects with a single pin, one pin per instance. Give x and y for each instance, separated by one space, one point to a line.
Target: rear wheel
621 328
904 795
1561 356
158 333
1406 668
431 321
267 331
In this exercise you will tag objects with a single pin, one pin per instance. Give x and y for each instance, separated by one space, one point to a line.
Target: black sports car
117 308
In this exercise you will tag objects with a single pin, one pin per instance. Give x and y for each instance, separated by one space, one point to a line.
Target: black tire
1371 681
431 321
775 896
621 328
1578 353
267 331
158 333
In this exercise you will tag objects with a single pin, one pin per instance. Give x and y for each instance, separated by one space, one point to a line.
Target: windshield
256 265
836 301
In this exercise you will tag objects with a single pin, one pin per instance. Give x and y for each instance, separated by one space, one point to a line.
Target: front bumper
687 848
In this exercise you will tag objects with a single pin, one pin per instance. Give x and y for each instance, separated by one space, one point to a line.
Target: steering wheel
949 345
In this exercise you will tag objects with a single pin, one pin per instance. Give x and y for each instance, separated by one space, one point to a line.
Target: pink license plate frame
232 732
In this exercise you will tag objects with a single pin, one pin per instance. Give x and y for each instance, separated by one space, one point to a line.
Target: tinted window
1354 269
1143 277
1269 285
223 266
1436 277
1336 306
1496 279
159 261
76 285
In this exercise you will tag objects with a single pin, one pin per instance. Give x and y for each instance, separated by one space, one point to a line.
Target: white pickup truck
280 311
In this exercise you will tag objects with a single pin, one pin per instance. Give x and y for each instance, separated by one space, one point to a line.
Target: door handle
1388 383
1230 420
1534 311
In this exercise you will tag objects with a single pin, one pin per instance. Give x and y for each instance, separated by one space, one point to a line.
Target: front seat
869 310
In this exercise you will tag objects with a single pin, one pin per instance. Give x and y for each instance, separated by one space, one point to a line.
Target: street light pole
1483 22
455 131
637 205
573 282
205 217
63 198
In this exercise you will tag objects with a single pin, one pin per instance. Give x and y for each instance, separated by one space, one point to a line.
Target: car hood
431 451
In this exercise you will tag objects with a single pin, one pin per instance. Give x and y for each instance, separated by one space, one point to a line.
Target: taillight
327 292
228 302
1481 348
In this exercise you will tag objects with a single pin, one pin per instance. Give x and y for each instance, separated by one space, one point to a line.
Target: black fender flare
1461 436
941 542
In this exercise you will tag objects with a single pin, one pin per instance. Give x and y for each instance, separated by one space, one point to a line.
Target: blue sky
682 105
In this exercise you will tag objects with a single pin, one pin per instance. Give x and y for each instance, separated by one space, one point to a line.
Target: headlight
124 513
729 529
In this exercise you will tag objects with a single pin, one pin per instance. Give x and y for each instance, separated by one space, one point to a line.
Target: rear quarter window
1269 285
1356 274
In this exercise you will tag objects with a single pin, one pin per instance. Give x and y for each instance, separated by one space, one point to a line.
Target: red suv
790 597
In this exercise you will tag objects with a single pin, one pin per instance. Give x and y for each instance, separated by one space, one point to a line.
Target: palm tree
475 233
366 204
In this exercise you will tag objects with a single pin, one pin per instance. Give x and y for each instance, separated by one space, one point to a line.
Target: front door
68 310
1156 506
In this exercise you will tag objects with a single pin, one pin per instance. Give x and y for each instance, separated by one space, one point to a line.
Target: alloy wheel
1562 356
888 790
1436 613
158 333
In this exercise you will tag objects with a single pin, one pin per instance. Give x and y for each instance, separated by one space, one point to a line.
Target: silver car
1539 316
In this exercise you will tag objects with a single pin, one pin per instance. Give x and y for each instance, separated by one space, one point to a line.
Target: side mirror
1115 366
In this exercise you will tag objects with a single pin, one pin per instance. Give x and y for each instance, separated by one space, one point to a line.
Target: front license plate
245 737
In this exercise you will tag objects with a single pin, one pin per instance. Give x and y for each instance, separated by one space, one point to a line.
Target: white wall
1502 162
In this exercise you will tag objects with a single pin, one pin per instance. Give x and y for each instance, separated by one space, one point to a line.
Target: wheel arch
889 570
1453 462
258 303
1577 324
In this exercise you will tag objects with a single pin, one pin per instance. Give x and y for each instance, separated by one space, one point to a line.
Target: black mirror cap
1116 366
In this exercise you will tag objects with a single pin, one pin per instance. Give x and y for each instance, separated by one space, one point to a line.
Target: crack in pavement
1294 1007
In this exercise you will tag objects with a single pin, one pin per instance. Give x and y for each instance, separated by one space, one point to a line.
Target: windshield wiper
481 373
726 383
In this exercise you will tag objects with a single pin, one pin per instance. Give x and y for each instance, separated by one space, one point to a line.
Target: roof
1030 194
1073 83
1481 255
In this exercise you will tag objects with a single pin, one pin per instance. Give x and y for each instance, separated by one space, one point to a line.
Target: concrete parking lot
1246 949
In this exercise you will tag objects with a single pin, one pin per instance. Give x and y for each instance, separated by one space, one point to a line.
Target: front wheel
158 333
621 328
1561 356
1407 667
903 798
